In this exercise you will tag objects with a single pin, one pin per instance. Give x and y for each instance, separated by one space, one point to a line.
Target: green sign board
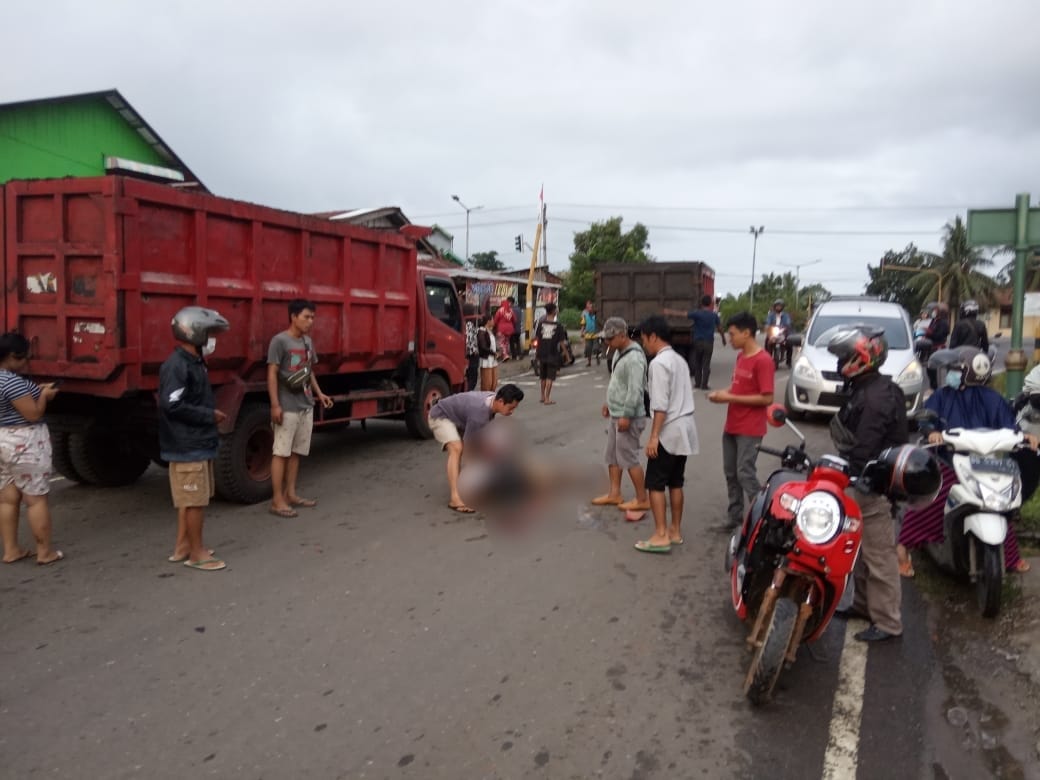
988 227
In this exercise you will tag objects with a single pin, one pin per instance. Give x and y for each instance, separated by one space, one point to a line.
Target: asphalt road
382 636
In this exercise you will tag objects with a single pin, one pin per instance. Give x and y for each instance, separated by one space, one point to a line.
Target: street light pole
756 232
798 275
468 210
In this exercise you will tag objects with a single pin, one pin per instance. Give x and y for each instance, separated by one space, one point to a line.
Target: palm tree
959 268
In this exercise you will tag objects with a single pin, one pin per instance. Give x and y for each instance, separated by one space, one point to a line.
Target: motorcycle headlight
804 370
911 375
819 517
998 499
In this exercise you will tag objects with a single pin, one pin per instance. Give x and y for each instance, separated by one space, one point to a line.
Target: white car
815 384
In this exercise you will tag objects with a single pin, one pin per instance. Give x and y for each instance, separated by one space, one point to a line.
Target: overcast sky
698 119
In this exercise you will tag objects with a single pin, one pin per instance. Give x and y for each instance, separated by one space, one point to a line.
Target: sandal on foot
462 509
635 506
304 502
283 512
606 501
183 558
22 557
906 569
58 556
652 548
209 564
1021 567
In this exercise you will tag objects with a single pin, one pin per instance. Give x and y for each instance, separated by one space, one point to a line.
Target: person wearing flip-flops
292 389
457 419
25 454
626 419
673 435
188 435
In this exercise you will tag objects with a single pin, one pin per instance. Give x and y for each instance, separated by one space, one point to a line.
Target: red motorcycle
790 561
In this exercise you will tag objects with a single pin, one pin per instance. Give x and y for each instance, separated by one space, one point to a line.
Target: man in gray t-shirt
291 389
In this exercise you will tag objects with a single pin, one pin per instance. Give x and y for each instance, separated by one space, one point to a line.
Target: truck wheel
769 658
61 460
104 459
243 467
433 389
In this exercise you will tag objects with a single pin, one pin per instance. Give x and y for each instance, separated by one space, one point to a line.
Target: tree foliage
603 242
770 287
487 261
958 271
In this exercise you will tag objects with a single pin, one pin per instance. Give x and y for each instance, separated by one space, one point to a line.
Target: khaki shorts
191 484
25 459
444 430
623 447
294 434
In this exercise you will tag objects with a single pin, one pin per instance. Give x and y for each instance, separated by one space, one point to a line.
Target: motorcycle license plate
993 465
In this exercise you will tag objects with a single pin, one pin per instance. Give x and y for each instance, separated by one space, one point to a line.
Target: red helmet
859 348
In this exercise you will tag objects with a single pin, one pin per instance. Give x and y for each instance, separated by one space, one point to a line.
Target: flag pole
529 309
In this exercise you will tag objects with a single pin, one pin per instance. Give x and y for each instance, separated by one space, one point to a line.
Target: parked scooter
792 558
976 514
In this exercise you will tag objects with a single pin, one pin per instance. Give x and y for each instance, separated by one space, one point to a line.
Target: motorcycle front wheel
768 661
989 562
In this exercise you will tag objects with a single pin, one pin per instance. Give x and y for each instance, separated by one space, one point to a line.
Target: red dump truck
95 269
637 290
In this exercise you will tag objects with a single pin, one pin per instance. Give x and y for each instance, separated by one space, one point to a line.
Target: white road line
840 760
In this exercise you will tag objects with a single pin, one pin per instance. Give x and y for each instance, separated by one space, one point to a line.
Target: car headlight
803 369
911 375
819 517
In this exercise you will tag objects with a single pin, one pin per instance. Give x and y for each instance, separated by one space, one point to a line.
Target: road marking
840 760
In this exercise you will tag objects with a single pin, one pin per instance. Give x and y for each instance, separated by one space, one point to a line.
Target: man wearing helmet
188 436
781 319
872 420
969 331
963 401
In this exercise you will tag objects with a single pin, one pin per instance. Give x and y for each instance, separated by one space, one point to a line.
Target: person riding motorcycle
781 319
872 420
964 401
969 331
937 333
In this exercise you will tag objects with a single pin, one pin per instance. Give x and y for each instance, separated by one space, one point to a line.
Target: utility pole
468 210
756 232
798 275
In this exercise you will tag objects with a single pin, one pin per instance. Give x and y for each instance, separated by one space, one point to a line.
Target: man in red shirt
750 392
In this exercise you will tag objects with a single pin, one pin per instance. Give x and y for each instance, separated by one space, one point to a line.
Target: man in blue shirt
706 324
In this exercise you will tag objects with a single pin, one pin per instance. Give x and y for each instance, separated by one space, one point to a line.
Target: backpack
646 392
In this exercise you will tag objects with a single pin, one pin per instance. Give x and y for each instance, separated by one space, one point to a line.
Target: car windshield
826 325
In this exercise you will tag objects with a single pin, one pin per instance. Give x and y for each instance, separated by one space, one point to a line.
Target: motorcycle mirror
776 415
795 339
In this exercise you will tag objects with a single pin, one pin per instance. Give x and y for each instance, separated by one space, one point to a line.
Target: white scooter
975 517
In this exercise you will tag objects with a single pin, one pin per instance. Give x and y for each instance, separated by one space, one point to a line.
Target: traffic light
519 243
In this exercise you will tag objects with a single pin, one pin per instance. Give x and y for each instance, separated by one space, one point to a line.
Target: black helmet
906 473
859 348
969 309
195 324
975 364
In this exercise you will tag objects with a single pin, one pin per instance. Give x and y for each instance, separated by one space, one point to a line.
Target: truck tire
243 467
104 459
60 458
433 389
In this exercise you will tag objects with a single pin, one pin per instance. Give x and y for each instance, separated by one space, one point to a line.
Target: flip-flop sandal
680 540
652 548
206 565
605 501
183 558
283 512
58 556
462 509
906 570
22 557
304 502
1021 568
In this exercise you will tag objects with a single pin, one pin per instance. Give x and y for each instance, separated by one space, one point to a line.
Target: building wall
52 140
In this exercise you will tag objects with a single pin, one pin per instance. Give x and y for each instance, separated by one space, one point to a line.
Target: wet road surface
382 636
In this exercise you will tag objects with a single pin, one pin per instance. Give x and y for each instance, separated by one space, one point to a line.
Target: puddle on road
988 716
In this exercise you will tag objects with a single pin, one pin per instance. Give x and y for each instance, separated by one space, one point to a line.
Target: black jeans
514 346
472 369
700 361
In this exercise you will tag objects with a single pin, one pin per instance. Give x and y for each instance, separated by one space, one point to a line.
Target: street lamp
756 232
798 275
468 210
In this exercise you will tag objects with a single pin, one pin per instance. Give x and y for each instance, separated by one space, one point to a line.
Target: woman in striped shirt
25 453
